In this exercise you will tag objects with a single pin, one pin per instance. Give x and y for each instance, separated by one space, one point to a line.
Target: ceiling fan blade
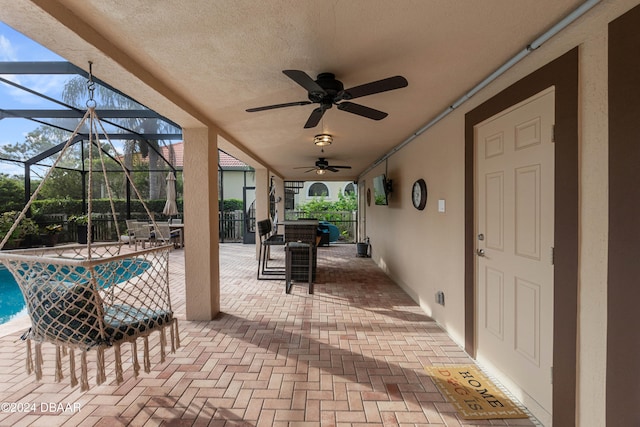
271 107
361 110
383 85
312 169
304 80
332 168
341 167
314 118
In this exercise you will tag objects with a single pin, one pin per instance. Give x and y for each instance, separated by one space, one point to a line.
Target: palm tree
75 93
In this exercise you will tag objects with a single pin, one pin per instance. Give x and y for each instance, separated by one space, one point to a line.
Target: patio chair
268 239
131 226
92 297
142 234
164 235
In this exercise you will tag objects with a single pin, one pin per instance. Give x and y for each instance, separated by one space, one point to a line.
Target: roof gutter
561 25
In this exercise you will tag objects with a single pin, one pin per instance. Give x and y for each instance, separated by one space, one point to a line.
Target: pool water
11 299
12 302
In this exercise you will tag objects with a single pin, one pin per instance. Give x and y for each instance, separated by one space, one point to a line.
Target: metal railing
346 221
232 225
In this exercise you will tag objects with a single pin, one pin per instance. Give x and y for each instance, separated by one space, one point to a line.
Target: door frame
563 74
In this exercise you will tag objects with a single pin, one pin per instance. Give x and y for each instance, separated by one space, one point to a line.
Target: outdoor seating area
332 358
160 233
299 241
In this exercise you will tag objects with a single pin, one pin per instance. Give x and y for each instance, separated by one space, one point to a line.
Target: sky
16 47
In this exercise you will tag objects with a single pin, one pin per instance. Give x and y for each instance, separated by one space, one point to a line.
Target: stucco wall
234 182
424 251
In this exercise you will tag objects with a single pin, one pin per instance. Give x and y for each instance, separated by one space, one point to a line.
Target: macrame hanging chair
92 297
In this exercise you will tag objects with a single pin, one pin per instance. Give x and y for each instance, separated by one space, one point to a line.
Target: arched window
349 188
318 189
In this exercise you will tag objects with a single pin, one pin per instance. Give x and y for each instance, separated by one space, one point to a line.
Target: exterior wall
233 182
424 250
334 188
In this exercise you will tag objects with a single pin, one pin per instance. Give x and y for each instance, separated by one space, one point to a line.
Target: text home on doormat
472 393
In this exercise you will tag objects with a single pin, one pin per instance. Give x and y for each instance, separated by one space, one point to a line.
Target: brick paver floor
351 354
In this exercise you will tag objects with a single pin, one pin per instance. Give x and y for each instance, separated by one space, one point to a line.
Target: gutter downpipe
561 25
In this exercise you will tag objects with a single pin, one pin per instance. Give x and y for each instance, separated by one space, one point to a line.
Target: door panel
514 270
527 211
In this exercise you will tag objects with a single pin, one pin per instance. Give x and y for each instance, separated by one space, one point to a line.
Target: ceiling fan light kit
327 91
322 140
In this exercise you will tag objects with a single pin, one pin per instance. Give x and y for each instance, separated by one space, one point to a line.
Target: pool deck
351 354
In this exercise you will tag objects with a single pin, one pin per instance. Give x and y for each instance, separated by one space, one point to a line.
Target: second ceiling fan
321 166
327 91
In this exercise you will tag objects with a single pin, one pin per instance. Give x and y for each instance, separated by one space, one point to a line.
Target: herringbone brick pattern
352 354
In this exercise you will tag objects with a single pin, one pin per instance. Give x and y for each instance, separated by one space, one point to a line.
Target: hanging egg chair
89 298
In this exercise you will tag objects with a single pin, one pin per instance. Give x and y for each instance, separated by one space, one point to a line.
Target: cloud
7 51
50 85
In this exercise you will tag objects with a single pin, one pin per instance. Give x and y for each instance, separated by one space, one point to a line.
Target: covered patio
352 353
222 70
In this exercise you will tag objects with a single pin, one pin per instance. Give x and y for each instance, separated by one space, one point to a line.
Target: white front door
514 263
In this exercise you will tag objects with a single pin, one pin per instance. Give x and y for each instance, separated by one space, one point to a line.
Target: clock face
419 194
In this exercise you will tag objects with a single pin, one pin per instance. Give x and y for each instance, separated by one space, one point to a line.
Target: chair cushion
124 321
66 312
63 311
276 239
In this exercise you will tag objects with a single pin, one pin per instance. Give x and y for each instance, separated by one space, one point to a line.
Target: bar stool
299 264
267 239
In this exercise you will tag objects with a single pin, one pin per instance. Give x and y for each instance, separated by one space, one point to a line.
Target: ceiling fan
327 91
321 166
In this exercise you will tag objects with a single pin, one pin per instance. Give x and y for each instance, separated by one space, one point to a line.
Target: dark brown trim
623 298
563 74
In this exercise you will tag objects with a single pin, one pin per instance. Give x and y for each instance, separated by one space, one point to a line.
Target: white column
202 272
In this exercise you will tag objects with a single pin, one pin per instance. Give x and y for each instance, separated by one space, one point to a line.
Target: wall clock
419 194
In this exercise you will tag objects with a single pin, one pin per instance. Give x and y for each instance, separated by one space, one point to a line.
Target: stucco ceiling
207 61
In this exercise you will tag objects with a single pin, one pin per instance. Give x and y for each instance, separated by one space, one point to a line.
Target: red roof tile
225 160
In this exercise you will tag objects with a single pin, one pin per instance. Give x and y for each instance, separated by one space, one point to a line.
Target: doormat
473 395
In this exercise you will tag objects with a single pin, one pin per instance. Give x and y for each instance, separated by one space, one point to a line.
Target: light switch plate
441 205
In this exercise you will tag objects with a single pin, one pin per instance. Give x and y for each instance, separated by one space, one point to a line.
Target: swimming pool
12 302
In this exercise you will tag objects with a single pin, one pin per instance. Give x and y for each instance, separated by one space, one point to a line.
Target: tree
75 92
346 202
11 193
62 184
36 142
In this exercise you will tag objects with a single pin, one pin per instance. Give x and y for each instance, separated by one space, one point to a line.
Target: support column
202 269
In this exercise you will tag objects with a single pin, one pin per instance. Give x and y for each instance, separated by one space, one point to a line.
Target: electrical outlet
440 298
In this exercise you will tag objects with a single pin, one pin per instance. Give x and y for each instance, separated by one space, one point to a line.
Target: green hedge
74 207
230 205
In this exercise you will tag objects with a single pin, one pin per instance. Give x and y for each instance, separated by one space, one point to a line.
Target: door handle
480 252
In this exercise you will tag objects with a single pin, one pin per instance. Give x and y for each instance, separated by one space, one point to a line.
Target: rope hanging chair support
94 297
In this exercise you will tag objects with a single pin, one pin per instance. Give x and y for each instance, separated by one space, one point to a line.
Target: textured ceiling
208 61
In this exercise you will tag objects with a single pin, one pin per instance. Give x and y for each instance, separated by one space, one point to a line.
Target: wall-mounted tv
380 190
